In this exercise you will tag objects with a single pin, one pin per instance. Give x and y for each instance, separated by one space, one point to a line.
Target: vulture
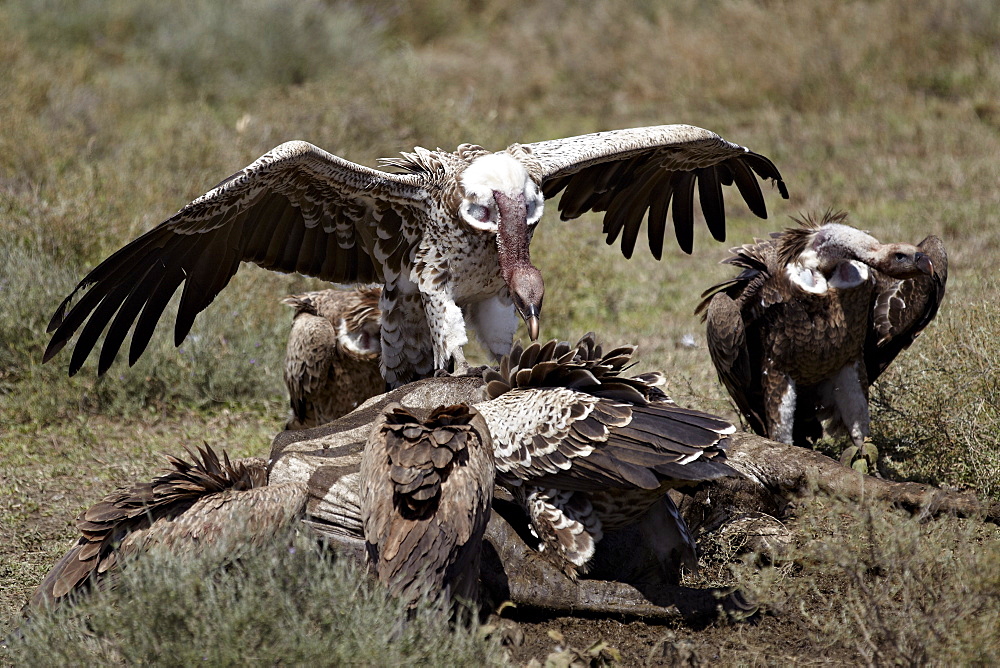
585 449
426 490
331 363
446 233
816 315
205 502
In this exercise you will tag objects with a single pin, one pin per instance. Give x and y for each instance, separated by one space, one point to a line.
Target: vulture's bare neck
834 243
829 247
500 195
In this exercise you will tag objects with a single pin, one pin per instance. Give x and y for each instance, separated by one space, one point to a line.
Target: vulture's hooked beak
924 264
531 320
526 293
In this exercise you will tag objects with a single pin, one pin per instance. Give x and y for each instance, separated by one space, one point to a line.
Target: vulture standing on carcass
816 315
426 490
331 363
447 234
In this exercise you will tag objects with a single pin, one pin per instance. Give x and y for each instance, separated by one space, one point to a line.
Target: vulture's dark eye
900 257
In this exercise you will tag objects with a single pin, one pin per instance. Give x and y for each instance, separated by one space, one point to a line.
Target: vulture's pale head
501 198
359 340
835 242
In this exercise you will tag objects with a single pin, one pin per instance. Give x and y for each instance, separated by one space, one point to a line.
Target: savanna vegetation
114 113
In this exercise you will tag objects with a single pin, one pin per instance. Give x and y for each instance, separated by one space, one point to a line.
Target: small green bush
936 413
888 589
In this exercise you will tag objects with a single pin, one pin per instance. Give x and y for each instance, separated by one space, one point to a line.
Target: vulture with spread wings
447 234
818 312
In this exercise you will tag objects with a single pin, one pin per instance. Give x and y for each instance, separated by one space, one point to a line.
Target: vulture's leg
650 551
850 396
494 321
407 349
852 403
447 330
673 544
456 364
513 571
780 398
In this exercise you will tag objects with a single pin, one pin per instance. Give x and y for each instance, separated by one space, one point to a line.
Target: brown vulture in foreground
818 312
426 490
331 363
447 234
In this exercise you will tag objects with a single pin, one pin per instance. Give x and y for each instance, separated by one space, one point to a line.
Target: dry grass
117 113
886 589
937 412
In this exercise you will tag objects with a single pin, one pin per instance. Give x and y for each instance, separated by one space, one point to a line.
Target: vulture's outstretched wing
903 308
627 172
196 505
296 208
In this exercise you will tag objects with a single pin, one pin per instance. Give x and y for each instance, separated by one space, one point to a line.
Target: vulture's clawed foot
507 631
740 605
463 372
863 460
476 371
458 367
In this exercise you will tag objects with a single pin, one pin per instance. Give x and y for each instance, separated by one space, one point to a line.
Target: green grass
283 604
115 114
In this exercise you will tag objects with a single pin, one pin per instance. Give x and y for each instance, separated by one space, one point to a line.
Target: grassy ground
114 114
